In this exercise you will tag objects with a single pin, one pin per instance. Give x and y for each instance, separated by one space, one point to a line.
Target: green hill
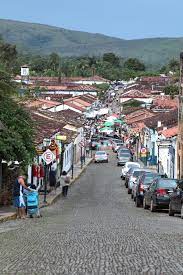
43 39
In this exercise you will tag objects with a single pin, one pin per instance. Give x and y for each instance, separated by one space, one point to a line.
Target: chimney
159 124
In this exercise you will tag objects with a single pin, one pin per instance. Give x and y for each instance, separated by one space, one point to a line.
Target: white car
101 156
127 166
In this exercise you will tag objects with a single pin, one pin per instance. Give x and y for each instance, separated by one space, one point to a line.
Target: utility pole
180 123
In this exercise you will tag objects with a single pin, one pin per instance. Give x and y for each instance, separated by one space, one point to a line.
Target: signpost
48 157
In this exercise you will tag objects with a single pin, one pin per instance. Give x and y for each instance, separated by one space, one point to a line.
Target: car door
150 192
173 200
178 199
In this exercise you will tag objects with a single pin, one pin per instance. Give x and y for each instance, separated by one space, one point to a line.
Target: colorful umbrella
119 121
108 123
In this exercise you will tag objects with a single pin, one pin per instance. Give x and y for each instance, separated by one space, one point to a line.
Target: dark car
142 185
176 200
158 194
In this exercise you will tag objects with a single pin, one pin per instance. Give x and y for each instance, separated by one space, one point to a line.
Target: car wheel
144 204
129 191
170 211
132 196
152 207
137 202
181 212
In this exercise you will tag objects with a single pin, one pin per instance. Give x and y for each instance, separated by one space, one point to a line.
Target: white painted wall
146 100
67 160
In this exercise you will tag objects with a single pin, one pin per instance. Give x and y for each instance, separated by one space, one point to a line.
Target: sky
128 19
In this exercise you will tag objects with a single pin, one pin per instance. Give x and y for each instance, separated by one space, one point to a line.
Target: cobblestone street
96 230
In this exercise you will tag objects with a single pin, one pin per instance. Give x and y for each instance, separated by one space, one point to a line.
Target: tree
16 139
173 65
134 64
39 64
171 90
54 62
8 55
112 59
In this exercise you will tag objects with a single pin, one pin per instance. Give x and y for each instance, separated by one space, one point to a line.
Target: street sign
143 150
60 137
48 156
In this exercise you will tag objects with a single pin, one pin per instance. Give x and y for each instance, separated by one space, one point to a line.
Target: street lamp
158 144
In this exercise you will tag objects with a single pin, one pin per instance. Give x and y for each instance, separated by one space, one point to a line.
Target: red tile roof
78 87
171 132
138 116
74 106
134 94
165 102
41 103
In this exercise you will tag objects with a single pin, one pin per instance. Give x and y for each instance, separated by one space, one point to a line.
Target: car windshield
132 165
100 153
138 173
124 155
149 178
167 183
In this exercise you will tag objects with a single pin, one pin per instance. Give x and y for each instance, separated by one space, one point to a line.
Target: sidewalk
8 213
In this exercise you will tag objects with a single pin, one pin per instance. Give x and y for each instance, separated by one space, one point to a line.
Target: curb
51 201
8 218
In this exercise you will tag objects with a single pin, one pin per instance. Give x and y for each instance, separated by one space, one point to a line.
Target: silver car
127 166
123 158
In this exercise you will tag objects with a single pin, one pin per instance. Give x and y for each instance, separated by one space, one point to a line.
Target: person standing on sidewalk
66 182
18 196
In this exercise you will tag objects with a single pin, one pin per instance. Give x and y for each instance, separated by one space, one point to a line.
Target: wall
67 160
77 140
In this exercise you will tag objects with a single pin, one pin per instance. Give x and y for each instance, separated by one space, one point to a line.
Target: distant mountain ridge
43 39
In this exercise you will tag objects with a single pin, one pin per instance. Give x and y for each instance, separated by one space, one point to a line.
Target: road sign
48 156
143 150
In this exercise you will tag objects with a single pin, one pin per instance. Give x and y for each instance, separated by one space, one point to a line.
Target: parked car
123 149
127 166
158 194
137 172
143 182
128 175
123 158
101 156
176 200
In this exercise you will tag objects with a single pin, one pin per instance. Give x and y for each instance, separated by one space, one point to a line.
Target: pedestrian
52 176
87 150
18 196
66 182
